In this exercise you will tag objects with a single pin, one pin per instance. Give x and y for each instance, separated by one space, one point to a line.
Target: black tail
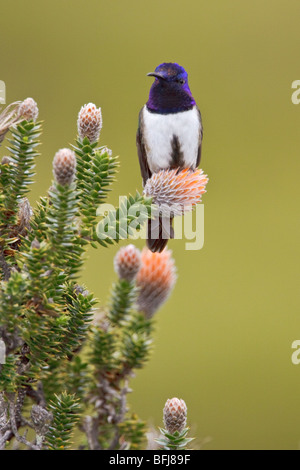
160 230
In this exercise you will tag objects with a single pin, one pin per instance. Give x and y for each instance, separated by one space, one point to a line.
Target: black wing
145 171
200 139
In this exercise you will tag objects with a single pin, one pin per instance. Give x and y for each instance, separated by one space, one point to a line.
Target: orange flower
175 191
155 280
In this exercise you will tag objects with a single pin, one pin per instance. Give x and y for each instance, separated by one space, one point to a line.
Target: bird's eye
181 81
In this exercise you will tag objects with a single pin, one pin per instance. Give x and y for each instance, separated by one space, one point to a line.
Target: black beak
156 75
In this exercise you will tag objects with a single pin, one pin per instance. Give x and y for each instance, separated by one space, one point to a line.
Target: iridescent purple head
170 92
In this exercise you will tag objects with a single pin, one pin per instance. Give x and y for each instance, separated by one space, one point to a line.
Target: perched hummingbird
169 135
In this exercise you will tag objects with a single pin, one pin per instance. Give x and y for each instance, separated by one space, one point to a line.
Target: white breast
159 131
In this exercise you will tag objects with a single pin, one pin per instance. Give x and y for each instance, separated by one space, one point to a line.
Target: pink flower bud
64 166
175 414
28 110
127 262
89 122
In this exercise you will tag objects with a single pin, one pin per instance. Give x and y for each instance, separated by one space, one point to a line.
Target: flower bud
127 262
176 191
64 166
155 280
175 414
89 122
28 110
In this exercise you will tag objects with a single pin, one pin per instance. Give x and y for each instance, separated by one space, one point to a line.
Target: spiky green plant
174 434
176 441
65 410
68 364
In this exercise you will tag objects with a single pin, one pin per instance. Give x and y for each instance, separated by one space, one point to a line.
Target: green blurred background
223 340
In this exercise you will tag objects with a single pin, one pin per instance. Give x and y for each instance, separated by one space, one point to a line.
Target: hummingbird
169 136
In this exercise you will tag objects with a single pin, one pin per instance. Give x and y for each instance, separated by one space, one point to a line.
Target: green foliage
133 432
38 223
121 342
12 295
8 374
135 348
63 234
76 377
176 441
123 222
79 311
96 169
122 298
37 262
57 357
65 409
17 176
104 345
